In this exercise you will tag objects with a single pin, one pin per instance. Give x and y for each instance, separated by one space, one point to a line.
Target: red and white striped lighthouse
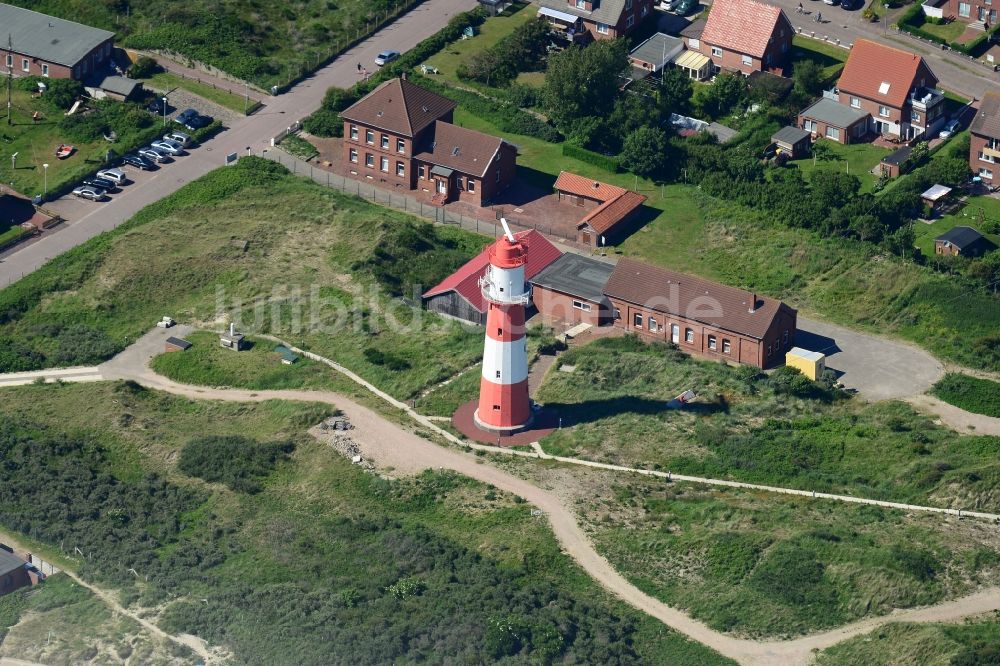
503 392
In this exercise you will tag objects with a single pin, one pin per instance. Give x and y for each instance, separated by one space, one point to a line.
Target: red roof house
459 295
607 207
745 36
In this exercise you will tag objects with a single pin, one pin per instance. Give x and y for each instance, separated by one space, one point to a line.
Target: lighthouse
504 406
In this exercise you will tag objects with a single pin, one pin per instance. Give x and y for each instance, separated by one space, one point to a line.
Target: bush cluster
521 51
239 462
609 163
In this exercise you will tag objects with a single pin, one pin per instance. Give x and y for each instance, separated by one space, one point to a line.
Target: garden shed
176 344
793 141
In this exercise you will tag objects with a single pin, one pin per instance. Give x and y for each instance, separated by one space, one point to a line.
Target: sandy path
955 418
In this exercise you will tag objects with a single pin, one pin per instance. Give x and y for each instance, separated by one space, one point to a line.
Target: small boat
64 151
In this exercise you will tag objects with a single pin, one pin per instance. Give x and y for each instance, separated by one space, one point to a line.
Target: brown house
893 89
984 148
402 135
966 11
583 20
607 209
963 241
699 316
43 45
745 36
13 573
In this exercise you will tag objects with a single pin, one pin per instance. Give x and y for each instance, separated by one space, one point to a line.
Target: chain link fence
488 224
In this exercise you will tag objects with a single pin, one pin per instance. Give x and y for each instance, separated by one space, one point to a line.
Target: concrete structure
458 296
583 20
43 45
809 363
699 316
962 241
401 135
13 573
984 140
176 344
793 141
654 53
571 290
504 406
744 36
232 339
607 208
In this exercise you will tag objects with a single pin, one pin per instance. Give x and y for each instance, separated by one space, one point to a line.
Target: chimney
403 76
753 302
232 328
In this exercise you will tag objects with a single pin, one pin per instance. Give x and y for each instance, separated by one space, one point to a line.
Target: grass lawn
973 394
950 32
971 642
831 58
976 212
757 430
489 33
167 81
413 569
857 159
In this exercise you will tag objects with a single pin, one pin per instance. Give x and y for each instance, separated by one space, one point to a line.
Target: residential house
893 89
744 36
699 316
43 45
982 12
696 64
571 289
984 148
653 54
583 20
401 135
459 295
13 573
607 208
963 241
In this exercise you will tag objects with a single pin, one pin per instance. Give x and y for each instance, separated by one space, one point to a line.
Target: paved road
956 72
87 219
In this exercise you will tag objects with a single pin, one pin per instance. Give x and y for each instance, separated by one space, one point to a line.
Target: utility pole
10 75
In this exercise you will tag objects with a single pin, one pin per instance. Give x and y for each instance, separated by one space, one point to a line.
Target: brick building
43 45
13 573
963 241
606 210
402 135
571 289
744 36
983 12
984 148
583 20
699 316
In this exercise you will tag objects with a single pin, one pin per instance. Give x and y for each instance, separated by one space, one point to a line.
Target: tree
726 93
674 93
807 78
645 151
834 190
631 112
143 68
584 81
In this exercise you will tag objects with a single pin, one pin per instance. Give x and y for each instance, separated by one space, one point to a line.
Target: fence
488 226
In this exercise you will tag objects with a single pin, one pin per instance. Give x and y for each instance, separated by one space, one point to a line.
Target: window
860 129
354 155
602 28
637 320
400 169
400 146
385 142
747 60
10 61
855 103
500 330
630 21
712 342
784 338
45 70
726 347
983 157
769 350
421 171
369 136
652 324
498 374
985 173
26 66
618 313
645 10
689 335
369 160
883 111
354 132
471 185
694 44
496 408
716 51
384 163
581 4
833 133
964 9
580 305
628 5
809 125
498 175
883 88
914 116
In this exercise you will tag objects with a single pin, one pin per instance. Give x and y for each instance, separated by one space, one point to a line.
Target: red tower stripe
505 322
503 405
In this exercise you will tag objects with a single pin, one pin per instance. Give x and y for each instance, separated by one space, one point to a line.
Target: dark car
851 5
185 115
157 106
198 121
100 183
685 7
138 162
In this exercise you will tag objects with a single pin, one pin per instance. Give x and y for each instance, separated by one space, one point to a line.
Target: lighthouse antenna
506 229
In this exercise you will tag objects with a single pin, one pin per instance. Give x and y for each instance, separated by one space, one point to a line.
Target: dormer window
580 4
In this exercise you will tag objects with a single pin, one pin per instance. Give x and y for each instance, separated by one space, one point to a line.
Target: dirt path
956 418
110 599
390 445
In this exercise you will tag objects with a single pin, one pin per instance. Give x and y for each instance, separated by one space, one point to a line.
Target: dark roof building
400 107
44 45
13 574
984 142
595 19
571 289
963 241
831 119
459 149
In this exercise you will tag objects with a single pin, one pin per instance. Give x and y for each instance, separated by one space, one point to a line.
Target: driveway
879 368
250 133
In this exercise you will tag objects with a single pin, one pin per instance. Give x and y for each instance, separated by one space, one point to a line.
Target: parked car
685 7
157 106
100 183
950 128
153 155
851 5
115 175
385 57
137 161
180 137
92 193
185 115
168 147
198 121
831 2
669 5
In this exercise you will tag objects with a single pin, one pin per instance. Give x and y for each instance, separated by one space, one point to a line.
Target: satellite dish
506 230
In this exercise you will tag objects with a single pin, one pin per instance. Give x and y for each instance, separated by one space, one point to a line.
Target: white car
114 175
153 155
92 193
167 146
178 137
949 129
385 57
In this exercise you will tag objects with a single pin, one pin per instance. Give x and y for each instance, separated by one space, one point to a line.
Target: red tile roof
694 298
400 107
586 187
872 68
465 280
610 213
744 26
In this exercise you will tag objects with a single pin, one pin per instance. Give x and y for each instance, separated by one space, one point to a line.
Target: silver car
115 175
153 155
88 192
178 137
169 147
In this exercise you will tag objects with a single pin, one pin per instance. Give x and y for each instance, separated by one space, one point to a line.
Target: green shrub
239 462
606 162
791 573
980 396
144 67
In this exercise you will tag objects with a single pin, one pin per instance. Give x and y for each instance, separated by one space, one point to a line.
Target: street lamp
45 172
164 111
885 17
246 97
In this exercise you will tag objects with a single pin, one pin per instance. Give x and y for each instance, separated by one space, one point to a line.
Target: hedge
607 162
914 17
